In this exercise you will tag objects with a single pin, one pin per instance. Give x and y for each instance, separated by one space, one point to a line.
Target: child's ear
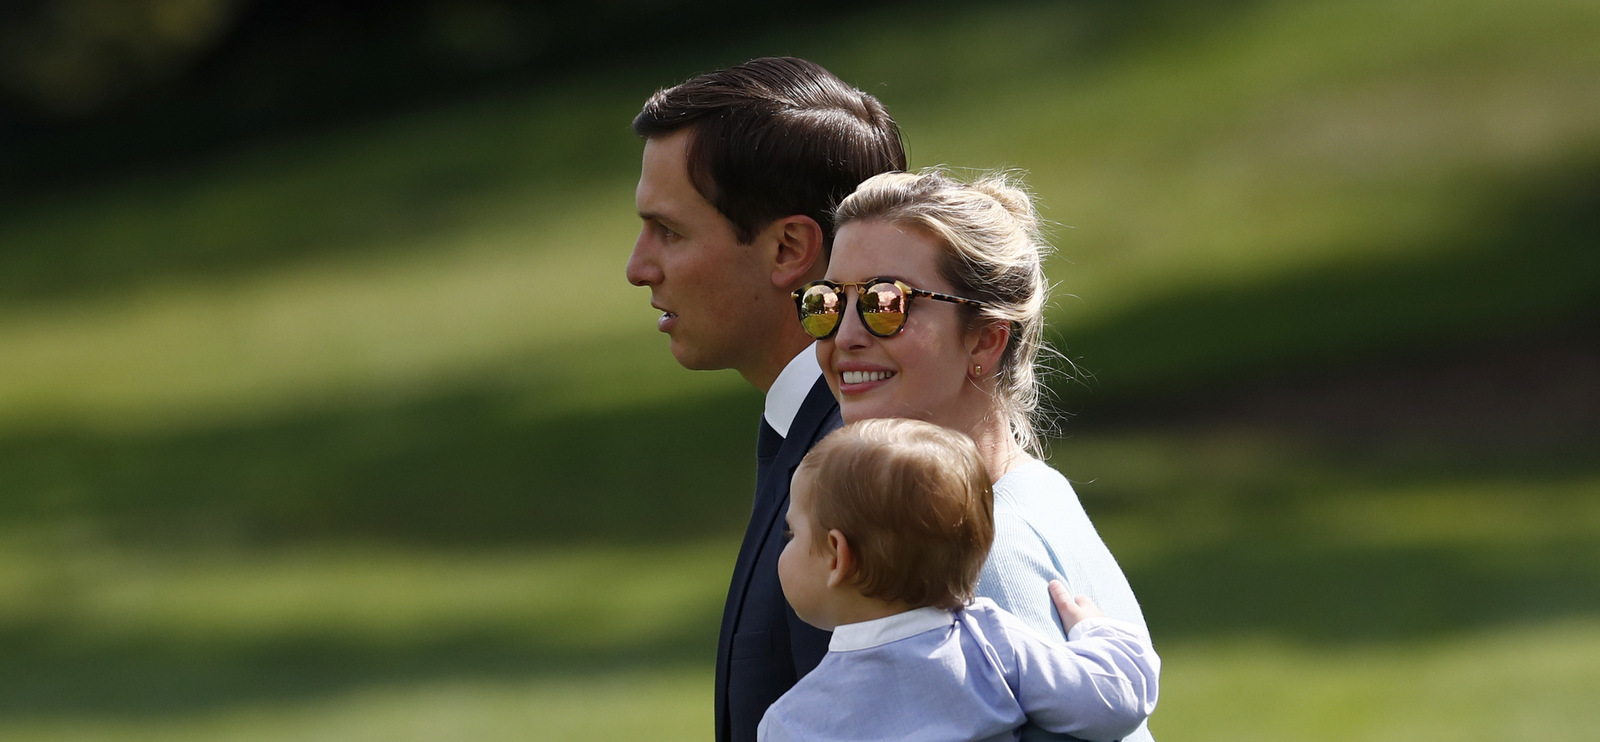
842 563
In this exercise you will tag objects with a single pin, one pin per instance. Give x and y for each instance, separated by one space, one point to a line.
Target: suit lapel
772 495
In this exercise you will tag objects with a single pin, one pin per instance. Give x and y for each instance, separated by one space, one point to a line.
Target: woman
932 308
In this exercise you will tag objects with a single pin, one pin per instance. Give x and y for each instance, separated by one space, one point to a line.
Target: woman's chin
864 410
854 412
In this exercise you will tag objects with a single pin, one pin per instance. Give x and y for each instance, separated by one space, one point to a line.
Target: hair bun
1006 188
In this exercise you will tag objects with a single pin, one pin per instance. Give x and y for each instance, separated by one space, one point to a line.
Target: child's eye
788 534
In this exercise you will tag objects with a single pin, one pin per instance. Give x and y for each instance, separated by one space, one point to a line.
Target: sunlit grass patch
138 642
581 599
1531 682
669 703
186 351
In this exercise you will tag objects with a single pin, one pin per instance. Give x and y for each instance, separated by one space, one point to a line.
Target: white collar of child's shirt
790 389
880 631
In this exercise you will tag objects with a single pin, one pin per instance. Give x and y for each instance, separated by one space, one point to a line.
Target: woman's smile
853 378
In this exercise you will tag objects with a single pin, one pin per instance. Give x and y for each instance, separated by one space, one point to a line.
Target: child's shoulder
998 623
981 606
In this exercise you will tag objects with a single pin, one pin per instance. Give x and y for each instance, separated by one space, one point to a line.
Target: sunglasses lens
819 310
883 309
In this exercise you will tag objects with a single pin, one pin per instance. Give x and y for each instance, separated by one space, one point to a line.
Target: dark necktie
767 445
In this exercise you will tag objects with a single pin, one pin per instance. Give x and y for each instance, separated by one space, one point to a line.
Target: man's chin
693 358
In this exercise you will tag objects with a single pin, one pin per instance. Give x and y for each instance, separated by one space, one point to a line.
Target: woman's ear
799 251
986 343
842 565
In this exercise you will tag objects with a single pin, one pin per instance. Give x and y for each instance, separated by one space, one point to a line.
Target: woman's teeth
862 377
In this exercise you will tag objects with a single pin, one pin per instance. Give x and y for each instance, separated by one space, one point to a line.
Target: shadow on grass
1525 261
456 469
1340 594
375 189
47 673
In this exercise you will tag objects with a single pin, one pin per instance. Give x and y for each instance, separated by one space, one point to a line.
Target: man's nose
642 268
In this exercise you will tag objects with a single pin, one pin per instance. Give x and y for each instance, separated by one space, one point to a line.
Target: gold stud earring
977 370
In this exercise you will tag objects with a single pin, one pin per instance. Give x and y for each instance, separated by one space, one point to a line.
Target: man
741 168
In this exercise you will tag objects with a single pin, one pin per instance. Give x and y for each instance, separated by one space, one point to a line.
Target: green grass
1292 595
663 703
363 434
1525 685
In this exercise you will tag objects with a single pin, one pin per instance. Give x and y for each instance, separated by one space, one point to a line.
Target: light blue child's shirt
975 674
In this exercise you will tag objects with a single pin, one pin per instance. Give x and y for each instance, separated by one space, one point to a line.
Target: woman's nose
852 331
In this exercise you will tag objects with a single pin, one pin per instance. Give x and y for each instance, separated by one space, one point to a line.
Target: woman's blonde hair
994 253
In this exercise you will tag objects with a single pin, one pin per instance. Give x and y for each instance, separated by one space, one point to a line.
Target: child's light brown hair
915 503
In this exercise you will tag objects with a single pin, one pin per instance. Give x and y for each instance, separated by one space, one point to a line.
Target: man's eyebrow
659 218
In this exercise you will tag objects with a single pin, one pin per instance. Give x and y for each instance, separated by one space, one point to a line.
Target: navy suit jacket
764 647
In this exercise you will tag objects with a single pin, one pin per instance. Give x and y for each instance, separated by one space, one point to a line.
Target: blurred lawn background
354 430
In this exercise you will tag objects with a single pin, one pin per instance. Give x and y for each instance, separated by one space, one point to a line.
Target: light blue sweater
1042 533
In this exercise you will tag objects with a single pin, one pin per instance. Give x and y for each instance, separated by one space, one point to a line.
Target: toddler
889 522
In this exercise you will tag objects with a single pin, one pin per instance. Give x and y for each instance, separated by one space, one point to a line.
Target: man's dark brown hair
774 137
915 504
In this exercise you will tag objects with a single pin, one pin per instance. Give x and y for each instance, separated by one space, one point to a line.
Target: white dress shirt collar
789 390
880 631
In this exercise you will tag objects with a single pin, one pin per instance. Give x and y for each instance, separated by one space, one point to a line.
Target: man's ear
842 562
799 251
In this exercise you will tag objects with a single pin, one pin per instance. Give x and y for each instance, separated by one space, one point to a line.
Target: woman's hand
1072 609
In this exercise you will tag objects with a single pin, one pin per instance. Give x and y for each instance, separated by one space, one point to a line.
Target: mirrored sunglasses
882 304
